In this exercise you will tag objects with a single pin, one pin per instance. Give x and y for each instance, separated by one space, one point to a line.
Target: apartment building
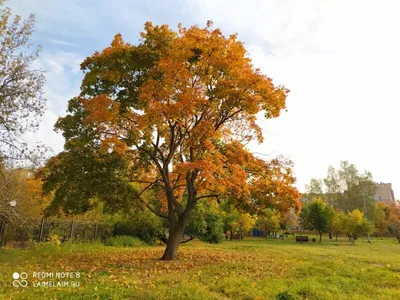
385 193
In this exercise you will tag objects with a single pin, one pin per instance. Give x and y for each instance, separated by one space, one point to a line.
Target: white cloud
340 60
63 43
63 78
63 81
46 135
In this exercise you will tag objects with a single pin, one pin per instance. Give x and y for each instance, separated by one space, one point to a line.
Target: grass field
254 268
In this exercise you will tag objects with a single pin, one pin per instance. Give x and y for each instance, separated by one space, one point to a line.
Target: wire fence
44 230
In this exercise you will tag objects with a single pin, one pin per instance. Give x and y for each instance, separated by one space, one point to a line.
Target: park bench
301 238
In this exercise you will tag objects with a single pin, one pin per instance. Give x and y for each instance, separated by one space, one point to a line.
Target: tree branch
207 196
150 208
188 240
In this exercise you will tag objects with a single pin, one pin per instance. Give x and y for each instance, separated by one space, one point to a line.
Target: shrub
206 223
143 225
54 239
123 241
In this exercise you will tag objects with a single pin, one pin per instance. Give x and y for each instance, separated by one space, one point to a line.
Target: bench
301 238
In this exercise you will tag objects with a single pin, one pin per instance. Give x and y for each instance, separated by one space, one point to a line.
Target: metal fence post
95 230
71 232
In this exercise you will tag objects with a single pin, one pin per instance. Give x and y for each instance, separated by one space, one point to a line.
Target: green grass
254 268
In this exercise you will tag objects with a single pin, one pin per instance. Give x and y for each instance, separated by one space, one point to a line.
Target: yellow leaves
243 224
118 41
356 215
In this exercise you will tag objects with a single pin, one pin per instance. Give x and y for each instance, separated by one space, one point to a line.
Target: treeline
23 207
210 222
345 188
344 202
317 215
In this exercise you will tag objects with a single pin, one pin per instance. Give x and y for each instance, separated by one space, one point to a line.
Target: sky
340 60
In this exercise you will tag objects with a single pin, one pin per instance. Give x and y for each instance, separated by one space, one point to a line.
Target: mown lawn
254 268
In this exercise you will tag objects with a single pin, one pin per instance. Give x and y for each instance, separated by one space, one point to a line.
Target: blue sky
340 59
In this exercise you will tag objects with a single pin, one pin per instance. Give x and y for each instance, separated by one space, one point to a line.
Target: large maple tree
165 123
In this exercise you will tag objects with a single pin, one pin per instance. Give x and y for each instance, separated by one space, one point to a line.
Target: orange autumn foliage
179 108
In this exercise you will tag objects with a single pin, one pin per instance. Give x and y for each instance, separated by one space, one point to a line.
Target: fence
42 230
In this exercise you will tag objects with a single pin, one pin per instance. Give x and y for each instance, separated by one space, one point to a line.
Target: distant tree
290 219
331 213
314 190
268 220
316 216
229 214
242 225
19 185
332 186
206 223
354 224
363 188
21 86
366 227
354 219
394 220
345 189
380 218
337 224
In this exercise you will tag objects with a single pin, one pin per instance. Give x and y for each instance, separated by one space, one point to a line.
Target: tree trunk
337 234
330 235
174 239
177 225
320 237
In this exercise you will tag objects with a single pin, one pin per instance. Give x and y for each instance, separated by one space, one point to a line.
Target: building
385 193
